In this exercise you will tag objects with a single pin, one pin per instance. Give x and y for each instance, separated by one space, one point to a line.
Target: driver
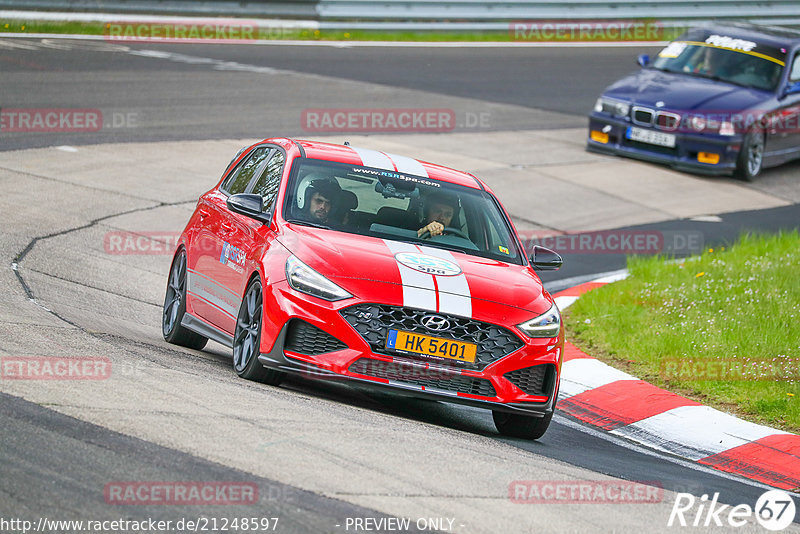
440 209
714 62
320 198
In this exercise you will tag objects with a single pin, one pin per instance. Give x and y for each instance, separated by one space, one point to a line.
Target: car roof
384 160
774 36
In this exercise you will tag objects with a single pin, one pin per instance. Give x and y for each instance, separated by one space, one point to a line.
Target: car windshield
393 205
738 66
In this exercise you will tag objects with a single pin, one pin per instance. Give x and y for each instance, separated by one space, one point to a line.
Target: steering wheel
448 230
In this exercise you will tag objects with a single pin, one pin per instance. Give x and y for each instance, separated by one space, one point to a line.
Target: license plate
422 345
651 137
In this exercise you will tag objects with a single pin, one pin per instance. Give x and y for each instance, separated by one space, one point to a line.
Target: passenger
321 197
439 212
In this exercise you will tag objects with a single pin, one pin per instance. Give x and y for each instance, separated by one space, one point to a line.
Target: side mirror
249 205
791 89
544 259
643 60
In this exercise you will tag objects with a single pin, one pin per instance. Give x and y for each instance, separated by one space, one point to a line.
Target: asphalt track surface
52 464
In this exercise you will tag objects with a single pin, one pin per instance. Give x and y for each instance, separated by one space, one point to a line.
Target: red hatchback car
334 262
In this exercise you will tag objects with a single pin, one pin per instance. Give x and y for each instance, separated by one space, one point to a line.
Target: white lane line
613 277
564 302
217 64
583 374
566 283
694 432
639 448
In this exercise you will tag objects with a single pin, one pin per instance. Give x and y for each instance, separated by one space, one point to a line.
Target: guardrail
301 9
437 14
555 9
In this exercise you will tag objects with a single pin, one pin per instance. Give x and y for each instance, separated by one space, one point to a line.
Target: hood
392 272
681 92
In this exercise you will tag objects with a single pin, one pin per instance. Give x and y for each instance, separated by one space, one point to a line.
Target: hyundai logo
435 322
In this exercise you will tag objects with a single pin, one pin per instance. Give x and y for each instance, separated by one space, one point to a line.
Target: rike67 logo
774 510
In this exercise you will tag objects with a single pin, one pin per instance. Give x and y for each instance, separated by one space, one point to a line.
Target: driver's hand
435 228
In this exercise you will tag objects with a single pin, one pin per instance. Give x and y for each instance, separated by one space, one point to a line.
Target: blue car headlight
617 108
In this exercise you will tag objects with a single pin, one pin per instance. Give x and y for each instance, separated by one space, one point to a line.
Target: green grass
736 309
98 28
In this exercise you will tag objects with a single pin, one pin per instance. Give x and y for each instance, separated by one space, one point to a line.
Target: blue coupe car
721 99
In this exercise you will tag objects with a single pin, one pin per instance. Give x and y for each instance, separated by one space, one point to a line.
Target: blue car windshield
737 66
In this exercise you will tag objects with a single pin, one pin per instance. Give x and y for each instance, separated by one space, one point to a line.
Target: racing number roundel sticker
428 264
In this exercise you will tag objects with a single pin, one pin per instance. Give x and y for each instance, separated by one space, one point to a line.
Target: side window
270 179
795 74
240 178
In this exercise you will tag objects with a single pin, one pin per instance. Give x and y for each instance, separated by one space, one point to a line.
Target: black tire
521 426
247 338
751 156
175 308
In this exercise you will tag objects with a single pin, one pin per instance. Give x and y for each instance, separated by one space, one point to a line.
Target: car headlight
612 107
303 278
698 123
547 324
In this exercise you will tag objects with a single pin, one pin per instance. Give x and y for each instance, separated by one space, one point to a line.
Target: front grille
642 116
667 121
430 378
306 338
536 380
373 322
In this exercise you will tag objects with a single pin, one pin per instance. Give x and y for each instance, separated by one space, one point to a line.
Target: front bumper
348 356
693 152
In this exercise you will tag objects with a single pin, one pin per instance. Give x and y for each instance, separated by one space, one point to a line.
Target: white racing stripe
379 160
454 294
373 158
421 291
408 165
418 288
694 432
